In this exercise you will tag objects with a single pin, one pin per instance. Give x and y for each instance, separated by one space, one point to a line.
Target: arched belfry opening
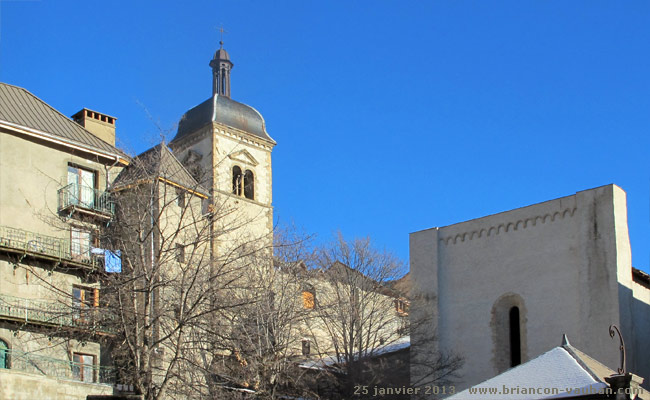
508 323
243 182
249 184
237 179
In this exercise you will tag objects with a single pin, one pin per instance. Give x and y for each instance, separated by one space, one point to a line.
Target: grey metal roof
20 107
221 54
158 162
226 111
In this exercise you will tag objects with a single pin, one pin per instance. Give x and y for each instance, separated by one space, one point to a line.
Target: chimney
100 125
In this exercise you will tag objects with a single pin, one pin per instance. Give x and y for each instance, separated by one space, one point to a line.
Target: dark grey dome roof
221 54
226 111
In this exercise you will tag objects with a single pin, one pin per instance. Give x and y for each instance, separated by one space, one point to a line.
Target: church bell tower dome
221 108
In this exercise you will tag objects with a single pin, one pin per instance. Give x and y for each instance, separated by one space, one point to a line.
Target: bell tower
221 66
226 145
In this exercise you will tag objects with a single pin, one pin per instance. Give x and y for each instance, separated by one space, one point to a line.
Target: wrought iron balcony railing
51 313
85 197
56 248
53 367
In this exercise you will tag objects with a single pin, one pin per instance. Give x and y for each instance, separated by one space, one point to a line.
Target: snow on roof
553 375
402 343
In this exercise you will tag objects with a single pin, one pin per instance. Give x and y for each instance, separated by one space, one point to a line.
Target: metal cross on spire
221 31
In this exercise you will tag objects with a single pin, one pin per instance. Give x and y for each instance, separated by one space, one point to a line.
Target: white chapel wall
560 257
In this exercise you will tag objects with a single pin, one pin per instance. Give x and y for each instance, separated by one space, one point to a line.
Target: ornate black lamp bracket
613 330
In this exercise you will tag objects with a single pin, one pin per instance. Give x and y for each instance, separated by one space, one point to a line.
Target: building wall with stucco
566 265
42 262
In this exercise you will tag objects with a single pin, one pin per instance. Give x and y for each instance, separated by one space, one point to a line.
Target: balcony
47 247
57 368
85 199
51 313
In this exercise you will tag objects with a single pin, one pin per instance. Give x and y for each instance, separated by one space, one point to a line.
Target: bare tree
264 339
361 314
355 311
202 307
174 289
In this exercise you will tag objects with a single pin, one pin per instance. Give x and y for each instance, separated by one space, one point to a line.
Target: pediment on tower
243 156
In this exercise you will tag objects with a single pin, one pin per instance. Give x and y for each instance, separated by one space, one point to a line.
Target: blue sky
390 117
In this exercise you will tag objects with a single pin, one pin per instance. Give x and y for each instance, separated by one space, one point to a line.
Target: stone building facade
225 145
503 288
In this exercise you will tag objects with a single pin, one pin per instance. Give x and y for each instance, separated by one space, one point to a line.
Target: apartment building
54 176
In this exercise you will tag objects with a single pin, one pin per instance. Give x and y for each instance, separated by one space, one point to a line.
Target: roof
401 286
402 343
340 272
158 162
22 109
641 277
221 54
562 372
226 111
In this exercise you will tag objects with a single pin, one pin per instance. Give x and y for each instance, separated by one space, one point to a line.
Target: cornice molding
242 136
508 226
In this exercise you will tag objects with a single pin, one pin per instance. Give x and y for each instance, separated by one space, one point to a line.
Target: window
515 337
180 252
4 354
180 197
83 367
80 243
207 208
249 185
243 183
308 299
81 186
508 322
84 300
237 180
306 347
400 306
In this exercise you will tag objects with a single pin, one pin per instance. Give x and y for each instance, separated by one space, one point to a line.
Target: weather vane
221 31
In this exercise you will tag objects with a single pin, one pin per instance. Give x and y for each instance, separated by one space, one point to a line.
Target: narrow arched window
237 180
249 184
4 354
515 337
